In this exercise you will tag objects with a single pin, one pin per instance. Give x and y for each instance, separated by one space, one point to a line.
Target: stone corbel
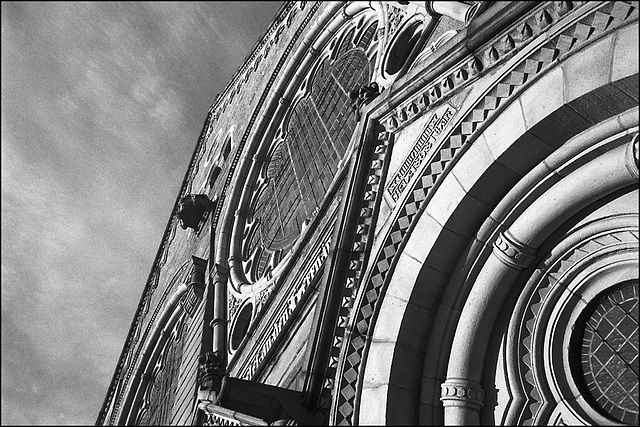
239 401
193 210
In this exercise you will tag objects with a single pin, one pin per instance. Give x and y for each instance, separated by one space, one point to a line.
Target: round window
608 353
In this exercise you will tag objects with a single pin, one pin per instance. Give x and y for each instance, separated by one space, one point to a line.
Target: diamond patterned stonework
555 48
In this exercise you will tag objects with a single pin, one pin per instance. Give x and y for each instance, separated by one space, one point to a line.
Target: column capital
513 253
462 392
219 273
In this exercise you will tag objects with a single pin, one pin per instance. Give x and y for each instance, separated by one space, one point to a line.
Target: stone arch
526 150
313 47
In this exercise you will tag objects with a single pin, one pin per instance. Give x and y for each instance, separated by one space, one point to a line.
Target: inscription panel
425 133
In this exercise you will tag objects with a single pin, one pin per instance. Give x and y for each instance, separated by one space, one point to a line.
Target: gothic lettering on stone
283 315
424 147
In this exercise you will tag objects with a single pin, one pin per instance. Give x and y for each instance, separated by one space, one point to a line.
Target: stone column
461 394
453 9
513 251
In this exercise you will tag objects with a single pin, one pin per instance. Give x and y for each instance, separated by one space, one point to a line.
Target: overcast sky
102 105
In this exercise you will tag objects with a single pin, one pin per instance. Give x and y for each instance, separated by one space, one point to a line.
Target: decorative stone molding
462 392
562 40
364 236
487 57
513 253
233 303
631 158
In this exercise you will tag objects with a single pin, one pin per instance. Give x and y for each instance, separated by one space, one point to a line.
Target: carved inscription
423 148
281 318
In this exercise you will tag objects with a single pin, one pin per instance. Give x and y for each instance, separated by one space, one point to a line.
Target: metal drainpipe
219 322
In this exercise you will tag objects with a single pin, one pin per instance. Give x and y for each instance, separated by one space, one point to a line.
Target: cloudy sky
102 105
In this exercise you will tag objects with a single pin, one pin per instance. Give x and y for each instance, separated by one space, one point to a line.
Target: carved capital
219 273
462 392
513 253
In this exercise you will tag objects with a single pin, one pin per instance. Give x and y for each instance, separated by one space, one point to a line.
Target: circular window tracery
609 353
304 158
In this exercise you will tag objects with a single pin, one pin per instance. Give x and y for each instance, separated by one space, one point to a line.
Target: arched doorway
511 167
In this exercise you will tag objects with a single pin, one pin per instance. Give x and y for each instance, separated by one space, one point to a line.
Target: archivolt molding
514 254
564 273
578 29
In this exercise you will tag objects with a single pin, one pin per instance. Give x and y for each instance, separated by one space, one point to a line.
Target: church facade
411 212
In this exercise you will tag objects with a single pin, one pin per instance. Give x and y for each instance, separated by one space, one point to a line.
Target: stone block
402 398
423 237
392 311
588 69
506 129
473 164
445 200
625 53
372 405
404 277
544 97
378 364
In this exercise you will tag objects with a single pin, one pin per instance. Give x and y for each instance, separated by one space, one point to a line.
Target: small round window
607 353
241 325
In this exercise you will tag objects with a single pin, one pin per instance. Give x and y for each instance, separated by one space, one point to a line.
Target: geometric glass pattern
302 166
610 354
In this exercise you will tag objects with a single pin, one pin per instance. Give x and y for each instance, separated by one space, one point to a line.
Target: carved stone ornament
362 96
211 373
462 392
193 210
514 254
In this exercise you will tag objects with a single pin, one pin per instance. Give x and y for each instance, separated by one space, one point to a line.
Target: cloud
102 104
